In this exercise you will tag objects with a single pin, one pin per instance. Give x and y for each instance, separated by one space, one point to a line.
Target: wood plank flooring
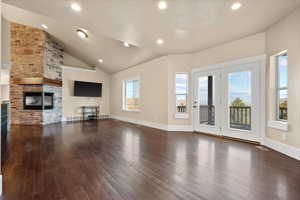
121 161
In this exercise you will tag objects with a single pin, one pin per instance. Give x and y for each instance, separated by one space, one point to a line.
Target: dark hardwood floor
116 160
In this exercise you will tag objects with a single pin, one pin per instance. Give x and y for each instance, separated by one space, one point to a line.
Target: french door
227 101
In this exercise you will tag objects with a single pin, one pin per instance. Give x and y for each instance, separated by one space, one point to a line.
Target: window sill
125 110
181 116
280 125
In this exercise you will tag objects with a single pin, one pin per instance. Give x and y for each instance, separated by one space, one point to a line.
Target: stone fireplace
35 84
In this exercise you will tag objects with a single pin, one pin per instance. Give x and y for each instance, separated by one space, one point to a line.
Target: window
282 86
181 92
131 95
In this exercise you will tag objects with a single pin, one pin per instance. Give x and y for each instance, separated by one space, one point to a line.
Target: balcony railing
240 116
207 114
181 109
283 113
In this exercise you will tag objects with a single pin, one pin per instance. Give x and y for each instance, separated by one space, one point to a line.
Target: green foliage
238 102
283 104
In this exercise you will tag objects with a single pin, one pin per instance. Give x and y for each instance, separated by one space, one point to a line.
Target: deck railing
240 116
283 113
181 109
207 114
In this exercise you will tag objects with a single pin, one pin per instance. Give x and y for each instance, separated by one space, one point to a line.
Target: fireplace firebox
38 101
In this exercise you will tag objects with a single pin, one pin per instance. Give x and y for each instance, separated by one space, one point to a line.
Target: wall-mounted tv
87 89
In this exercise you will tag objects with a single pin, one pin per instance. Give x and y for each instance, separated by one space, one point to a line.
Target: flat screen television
87 89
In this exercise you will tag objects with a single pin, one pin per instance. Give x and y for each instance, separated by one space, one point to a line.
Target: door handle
195 104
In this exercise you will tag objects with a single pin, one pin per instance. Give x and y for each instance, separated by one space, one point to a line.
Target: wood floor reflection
117 160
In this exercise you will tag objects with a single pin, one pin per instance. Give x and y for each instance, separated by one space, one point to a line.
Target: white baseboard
155 124
180 128
282 148
141 122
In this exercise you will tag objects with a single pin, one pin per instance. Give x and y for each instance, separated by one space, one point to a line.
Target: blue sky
132 89
181 85
239 84
239 87
283 74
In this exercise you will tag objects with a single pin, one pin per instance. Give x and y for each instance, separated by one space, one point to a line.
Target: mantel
38 81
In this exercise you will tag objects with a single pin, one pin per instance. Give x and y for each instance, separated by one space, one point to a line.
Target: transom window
131 95
282 86
181 92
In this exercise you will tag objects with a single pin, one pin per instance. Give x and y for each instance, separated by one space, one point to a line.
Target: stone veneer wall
54 115
34 54
53 59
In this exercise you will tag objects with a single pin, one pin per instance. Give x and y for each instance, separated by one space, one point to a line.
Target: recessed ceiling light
76 7
162 5
236 6
44 26
159 41
82 33
100 60
126 44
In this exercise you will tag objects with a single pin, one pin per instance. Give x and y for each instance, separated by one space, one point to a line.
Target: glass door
206 103
241 102
227 101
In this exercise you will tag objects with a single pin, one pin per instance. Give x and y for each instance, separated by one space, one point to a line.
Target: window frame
277 84
185 114
124 92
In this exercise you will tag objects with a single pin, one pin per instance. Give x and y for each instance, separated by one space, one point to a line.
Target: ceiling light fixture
44 26
76 7
82 33
159 41
100 60
236 6
126 44
162 5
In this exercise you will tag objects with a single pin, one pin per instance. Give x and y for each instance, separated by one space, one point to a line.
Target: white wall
158 79
153 91
246 47
70 60
72 104
285 35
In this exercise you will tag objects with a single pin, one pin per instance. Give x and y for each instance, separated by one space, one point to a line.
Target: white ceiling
186 25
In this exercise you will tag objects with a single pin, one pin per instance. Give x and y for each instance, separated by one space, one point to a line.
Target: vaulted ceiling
185 26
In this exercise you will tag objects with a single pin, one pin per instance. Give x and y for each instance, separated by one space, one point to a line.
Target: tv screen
87 89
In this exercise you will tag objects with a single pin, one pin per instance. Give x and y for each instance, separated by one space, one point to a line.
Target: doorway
228 99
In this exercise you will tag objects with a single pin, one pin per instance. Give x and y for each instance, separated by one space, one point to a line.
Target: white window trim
278 89
186 114
124 93
280 125
181 115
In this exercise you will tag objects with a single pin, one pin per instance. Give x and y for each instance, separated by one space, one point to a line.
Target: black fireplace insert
38 101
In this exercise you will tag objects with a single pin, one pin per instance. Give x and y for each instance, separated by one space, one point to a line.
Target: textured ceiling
186 25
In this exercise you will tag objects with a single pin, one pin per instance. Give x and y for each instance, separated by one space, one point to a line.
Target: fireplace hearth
38 101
